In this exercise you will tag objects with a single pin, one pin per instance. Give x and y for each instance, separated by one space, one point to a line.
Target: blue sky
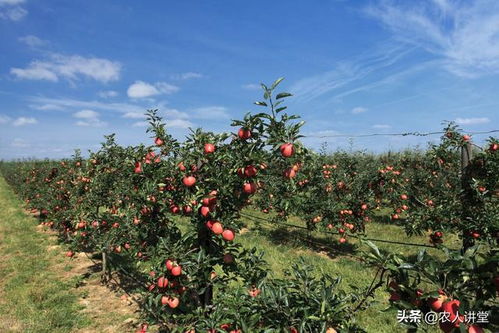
73 71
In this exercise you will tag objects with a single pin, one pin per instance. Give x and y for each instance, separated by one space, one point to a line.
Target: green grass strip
32 297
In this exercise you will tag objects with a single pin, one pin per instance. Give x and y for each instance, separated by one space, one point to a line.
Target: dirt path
41 290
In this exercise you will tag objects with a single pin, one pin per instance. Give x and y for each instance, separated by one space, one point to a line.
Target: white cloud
251 86
67 103
4 119
10 10
47 107
107 93
381 126
19 143
70 67
13 14
140 124
166 88
11 2
88 118
463 33
35 71
141 89
210 112
187 76
21 121
178 123
175 123
32 41
358 110
472 121
348 72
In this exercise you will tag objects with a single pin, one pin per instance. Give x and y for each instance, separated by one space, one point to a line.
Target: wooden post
467 195
466 156
104 267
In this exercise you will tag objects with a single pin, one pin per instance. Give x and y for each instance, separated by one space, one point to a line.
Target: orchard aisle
43 291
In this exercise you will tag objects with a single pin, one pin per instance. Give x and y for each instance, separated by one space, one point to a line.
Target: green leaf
282 95
276 82
261 103
374 248
281 109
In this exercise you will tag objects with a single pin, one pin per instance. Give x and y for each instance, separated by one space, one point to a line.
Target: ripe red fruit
475 235
209 148
452 308
187 210
403 196
466 137
250 171
138 167
204 211
175 209
189 181
173 302
244 133
164 300
158 142
287 149
70 254
177 270
169 264
436 303
249 188
253 292
217 228
494 147
228 235
289 173
343 240
181 166
162 282
475 329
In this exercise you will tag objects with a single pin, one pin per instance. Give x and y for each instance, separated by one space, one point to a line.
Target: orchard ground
43 291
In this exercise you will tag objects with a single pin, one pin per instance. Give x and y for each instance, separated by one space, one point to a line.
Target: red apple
162 282
228 235
138 167
289 173
287 149
244 133
173 302
217 228
177 270
189 181
209 148
249 188
158 142
250 171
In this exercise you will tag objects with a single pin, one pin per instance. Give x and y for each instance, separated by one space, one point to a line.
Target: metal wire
390 134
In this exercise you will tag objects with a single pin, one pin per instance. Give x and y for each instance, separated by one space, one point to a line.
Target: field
56 307
252 232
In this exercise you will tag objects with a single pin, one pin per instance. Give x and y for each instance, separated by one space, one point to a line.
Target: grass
32 297
284 245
